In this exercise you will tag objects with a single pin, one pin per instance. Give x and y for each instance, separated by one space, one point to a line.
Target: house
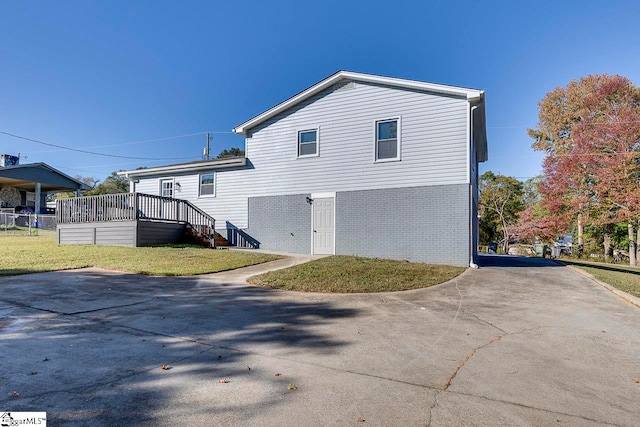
356 164
25 187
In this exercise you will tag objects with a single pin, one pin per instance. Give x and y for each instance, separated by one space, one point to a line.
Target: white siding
434 139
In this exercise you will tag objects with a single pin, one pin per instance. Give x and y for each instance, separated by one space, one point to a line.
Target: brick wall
425 224
281 223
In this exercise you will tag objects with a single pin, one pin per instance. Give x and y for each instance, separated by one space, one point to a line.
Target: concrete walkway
517 342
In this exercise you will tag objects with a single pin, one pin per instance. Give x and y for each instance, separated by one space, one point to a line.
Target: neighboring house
25 187
357 164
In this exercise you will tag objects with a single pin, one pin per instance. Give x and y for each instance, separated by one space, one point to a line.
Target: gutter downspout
471 210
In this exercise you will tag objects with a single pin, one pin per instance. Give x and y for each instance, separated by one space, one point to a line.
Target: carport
35 178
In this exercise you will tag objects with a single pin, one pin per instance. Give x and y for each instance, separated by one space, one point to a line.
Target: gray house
356 164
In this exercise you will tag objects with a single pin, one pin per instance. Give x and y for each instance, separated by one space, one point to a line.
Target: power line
142 142
93 152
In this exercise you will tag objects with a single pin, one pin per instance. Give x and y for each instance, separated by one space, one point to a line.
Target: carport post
38 193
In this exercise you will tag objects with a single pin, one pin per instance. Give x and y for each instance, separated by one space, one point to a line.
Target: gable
342 79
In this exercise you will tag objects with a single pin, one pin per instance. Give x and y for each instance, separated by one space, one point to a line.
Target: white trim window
207 185
387 143
166 187
308 143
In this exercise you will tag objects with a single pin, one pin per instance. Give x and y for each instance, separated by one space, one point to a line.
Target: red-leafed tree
534 222
590 132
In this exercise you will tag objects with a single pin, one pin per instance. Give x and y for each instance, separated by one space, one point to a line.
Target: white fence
26 224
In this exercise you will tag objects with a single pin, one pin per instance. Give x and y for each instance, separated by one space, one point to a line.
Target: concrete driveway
517 342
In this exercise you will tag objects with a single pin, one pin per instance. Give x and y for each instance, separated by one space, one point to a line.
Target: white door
165 206
323 225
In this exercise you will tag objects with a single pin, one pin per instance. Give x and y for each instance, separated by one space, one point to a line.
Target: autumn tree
589 131
535 222
500 202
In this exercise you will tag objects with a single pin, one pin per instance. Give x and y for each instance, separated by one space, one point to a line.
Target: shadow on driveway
88 346
495 260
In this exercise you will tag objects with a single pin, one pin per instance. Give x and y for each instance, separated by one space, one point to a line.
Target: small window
31 198
207 185
387 141
308 143
166 188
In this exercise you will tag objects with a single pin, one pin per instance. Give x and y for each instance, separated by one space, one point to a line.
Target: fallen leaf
16 394
46 359
635 380
277 374
165 367
361 420
223 381
565 358
34 372
292 387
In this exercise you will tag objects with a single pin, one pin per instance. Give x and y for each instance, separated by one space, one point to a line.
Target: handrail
135 206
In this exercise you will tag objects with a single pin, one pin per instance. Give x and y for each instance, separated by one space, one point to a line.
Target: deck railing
134 206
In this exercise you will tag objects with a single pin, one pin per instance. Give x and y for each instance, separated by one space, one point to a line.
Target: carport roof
25 177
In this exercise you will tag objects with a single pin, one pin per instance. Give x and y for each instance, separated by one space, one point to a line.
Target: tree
590 131
534 222
231 152
500 202
112 184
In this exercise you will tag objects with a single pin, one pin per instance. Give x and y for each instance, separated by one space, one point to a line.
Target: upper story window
308 143
207 185
166 188
387 140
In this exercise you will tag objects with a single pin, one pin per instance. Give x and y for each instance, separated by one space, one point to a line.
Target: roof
26 176
199 165
472 95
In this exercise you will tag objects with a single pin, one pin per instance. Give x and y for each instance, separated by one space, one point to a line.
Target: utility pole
206 149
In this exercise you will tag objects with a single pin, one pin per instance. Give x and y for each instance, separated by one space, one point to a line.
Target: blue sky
119 77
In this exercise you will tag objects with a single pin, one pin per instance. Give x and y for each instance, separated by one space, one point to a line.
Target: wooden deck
131 219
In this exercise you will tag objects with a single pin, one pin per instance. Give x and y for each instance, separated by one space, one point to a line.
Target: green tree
231 152
501 200
112 184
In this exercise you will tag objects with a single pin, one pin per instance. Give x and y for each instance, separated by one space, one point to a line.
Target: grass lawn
627 279
354 274
34 254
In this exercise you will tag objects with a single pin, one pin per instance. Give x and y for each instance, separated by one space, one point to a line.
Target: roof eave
186 167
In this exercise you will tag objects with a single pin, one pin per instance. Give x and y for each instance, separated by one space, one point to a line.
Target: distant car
493 247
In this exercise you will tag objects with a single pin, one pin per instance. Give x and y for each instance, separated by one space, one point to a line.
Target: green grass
34 254
25 231
349 274
625 278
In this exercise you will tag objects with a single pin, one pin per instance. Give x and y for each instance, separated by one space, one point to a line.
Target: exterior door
323 225
164 207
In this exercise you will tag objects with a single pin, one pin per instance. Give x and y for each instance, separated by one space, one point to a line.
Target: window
207 185
387 140
166 188
308 143
31 198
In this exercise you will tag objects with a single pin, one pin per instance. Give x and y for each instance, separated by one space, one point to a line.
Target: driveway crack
74 313
469 356
485 321
433 406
